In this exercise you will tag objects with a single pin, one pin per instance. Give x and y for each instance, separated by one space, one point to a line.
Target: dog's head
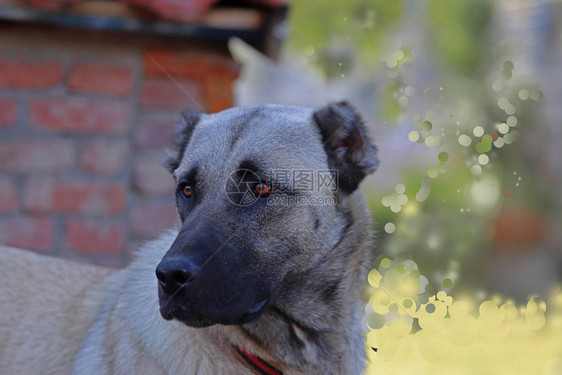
259 192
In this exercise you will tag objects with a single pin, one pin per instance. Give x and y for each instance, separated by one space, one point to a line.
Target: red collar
258 365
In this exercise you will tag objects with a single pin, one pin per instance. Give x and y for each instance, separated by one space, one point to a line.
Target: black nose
175 273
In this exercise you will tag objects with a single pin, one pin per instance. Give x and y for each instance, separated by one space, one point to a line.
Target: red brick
80 115
9 199
168 94
95 237
214 72
103 156
218 91
151 219
107 79
27 233
193 65
36 155
151 178
24 74
156 133
7 112
47 195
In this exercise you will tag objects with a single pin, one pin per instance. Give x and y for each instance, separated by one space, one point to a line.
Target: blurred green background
461 98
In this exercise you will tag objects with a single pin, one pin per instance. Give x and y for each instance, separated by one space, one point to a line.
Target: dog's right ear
349 149
182 135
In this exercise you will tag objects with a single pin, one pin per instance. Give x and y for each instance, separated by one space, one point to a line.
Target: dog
263 275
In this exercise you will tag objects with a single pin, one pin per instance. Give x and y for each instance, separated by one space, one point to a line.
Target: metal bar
126 25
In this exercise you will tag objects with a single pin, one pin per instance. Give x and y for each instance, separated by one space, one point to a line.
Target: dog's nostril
161 276
171 279
182 277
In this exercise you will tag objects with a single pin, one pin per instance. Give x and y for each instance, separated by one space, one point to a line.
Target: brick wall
84 120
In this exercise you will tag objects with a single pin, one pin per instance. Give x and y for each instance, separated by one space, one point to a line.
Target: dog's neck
327 338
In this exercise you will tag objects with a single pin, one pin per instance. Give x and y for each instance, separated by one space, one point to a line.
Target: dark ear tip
342 109
191 114
344 103
188 119
352 110
338 110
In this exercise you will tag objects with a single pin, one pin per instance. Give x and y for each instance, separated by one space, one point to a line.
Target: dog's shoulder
32 282
30 266
40 305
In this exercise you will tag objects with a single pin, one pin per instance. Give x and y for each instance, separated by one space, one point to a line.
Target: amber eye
187 191
263 190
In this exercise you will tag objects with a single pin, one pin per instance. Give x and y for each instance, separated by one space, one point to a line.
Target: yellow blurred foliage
457 337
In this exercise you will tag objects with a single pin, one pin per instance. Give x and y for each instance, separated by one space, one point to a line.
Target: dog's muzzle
199 286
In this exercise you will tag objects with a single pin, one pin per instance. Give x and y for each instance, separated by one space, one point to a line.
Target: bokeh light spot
465 140
476 170
410 90
483 159
424 189
503 128
376 321
402 101
414 136
511 121
433 141
488 309
441 295
443 157
389 228
486 191
536 95
432 172
430 308
309 51
499 142
478 131
426 126
447 283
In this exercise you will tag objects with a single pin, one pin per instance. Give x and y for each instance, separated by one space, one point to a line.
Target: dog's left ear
345 139
182 135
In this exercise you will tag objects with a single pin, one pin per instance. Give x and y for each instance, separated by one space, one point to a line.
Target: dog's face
258 196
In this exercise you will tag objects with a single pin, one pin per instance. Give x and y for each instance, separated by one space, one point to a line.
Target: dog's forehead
260 122
281 136
273 112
